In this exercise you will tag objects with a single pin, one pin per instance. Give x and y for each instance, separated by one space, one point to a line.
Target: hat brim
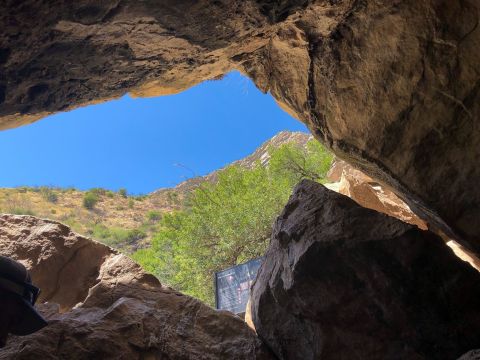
30 321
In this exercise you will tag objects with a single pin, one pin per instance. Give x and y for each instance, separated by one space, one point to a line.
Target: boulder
343 282
102 305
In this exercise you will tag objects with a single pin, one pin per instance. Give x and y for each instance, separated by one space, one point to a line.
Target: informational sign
232 286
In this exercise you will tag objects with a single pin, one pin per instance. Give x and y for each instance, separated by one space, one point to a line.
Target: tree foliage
229 221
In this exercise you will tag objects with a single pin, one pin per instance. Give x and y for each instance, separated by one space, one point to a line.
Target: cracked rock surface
344 282
391 86
102 305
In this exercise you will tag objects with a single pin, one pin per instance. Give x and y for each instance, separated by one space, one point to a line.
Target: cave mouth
114 170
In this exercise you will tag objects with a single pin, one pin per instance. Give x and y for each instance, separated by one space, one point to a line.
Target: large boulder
102 305
343 282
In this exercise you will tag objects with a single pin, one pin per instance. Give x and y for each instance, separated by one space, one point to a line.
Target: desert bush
49 194
90 199
117 237
153 215
122 192
22 211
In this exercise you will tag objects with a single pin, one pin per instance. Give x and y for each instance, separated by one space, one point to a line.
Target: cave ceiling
390 86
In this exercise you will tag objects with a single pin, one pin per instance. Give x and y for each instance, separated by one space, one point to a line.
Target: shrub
90 200
172 197
154 215
98 191
135 235
22 211
48 194
130 203
116 236
122 192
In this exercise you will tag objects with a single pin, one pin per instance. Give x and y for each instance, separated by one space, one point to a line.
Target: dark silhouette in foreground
17 299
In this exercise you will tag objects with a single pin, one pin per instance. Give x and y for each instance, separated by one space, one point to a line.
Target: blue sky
144 144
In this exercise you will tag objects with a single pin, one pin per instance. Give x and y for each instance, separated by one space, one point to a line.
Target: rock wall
390 86
343 282
102 305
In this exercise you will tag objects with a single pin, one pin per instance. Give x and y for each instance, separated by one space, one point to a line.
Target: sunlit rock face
340 281
390 86
102 305
368 193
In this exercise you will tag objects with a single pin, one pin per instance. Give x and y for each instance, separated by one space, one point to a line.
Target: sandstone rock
464 254
102 305
343 282
248 315
369 193
372 195
390 86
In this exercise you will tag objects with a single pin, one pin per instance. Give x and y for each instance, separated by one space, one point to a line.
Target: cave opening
123 171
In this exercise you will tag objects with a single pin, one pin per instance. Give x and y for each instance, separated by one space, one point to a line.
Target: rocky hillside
117 219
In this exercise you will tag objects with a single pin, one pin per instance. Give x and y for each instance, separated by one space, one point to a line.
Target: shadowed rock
343 282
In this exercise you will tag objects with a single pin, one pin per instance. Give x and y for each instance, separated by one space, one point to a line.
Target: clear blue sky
137 143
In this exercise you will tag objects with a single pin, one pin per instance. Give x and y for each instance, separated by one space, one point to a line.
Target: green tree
230 221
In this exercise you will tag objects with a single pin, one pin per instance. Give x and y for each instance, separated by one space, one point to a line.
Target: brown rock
119 311
343 282
390 86
372 195
369 193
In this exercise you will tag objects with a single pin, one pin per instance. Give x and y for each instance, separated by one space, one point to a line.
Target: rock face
369 193
343 282
390 86
102 305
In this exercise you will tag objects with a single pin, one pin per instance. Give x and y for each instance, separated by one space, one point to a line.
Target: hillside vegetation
118 219
229 221
203 225
114 218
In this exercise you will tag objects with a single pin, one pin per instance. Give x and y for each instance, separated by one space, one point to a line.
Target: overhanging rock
390 86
